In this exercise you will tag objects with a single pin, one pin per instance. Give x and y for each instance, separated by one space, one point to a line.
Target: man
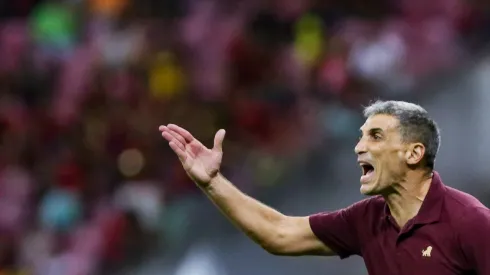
411 224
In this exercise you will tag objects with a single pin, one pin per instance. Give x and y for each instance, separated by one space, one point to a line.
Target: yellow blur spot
166 76
309 39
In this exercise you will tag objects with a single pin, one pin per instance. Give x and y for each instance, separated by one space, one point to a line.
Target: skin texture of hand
201 163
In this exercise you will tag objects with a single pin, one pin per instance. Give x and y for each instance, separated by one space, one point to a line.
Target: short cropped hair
415 125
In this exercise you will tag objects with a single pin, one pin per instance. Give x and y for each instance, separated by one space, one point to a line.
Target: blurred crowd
87 183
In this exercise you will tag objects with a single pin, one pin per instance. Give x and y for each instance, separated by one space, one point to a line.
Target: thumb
218 140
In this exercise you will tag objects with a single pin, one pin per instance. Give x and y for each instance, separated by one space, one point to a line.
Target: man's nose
360 148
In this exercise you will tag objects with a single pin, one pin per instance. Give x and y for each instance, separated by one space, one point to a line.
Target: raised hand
201 163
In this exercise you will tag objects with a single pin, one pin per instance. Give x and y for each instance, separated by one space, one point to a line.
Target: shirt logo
426 252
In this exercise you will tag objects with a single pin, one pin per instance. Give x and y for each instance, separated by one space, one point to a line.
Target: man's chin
368 189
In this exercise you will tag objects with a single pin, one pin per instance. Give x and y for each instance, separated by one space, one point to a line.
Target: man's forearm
258 221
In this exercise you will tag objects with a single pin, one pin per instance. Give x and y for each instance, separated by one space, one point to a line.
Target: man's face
381 154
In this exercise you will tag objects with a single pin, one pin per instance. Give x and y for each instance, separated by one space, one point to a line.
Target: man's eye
376 137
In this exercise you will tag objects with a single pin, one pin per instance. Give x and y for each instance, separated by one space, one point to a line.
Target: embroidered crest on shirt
426 252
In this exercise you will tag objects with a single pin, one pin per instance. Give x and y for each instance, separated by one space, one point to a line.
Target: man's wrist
210 186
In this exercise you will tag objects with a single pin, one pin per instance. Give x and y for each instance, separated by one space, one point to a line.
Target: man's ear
415 153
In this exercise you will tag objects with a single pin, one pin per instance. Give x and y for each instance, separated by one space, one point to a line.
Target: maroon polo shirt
450 234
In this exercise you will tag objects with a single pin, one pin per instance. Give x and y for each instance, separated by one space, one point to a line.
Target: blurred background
88 186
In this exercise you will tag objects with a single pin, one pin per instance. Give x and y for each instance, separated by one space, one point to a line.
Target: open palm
201 163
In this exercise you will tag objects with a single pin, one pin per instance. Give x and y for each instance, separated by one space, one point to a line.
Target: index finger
183 132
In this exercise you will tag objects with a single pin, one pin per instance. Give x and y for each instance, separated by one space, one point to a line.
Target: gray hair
415 125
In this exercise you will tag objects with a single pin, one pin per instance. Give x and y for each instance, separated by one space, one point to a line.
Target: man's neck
408 195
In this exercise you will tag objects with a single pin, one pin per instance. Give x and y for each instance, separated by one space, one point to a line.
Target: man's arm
276 233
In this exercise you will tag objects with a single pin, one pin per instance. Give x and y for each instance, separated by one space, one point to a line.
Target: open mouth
367 172
367 169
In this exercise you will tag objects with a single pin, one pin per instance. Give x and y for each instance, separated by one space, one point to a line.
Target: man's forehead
382 122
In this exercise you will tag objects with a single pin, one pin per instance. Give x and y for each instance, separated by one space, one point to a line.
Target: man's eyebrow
375 130
372 130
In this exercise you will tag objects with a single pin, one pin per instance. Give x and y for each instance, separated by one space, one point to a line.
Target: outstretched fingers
181 131
178 137
171 136
172 139
181 141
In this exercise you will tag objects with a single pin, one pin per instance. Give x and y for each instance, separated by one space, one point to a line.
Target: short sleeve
474 237
338 229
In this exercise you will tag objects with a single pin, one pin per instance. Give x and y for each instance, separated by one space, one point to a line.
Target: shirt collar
431 208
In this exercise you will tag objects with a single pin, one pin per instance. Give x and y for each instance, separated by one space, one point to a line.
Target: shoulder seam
462 203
